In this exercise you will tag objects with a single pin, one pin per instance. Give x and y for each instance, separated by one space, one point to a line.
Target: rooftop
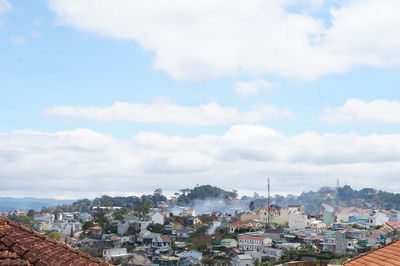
388 255
20 245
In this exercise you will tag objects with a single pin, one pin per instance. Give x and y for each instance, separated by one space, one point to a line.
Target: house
275 214
246 226
242 260
298 221
318 225
335 242
188 212
191 257
274 234
358 234
386 255
157 241
85 217
96 231
375 239
343 214
45 217
274 252
115 253
229 243
359 219
254 241
193 221
247 216
20 245
377 218
394 216
128 222
157 218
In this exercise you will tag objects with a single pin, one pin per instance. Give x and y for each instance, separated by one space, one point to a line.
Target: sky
121 97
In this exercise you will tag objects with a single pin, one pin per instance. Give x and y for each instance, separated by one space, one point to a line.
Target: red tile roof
393 225
388 255
165 238
252 237
20 245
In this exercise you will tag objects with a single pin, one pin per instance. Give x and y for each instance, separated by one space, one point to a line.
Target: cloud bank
360 111
250 88
203 115
211 38
83 163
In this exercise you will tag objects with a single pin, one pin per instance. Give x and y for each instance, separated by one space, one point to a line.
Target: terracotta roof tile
20 245
388 255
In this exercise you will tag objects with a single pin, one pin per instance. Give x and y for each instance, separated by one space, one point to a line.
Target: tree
31 213
87 225
119 214
251 206
143 207
100 216
156 228
53 234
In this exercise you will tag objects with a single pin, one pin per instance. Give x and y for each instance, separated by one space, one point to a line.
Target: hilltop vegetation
337 197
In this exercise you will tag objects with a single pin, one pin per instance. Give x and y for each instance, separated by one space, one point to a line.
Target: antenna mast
269 201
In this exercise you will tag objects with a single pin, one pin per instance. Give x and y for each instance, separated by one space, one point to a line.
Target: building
377 218
298 221
275 214
254 241
115 253
157 218
229 243
335 242
386 255
20 245
243 260
274 234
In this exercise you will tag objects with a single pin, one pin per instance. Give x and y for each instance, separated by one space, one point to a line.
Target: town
219 230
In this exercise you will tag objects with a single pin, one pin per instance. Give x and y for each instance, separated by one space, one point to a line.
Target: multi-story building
254 241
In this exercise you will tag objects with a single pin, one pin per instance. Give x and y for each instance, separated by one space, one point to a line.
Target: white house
377 219
110 254
46 217
254 241
243 260
157 218
298 221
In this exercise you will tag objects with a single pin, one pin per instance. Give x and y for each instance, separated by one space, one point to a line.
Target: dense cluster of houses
243 238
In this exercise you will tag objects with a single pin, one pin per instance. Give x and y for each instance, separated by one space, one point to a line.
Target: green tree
87 225
143 207
119 214
53 234
31 213
156 228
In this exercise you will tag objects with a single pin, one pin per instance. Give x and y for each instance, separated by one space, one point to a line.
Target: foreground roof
388 255
20 245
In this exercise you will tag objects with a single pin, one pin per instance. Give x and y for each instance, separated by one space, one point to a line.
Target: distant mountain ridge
25 204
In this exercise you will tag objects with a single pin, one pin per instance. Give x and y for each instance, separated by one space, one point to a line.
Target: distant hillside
337 197
25 204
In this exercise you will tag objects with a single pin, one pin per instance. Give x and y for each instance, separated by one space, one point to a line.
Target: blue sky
65 64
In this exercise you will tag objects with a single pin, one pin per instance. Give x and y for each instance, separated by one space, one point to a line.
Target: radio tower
269 201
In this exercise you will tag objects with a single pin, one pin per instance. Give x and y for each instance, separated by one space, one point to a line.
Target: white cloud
211 38
355 110
4 6
82 162
18 39
203 115
249 88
